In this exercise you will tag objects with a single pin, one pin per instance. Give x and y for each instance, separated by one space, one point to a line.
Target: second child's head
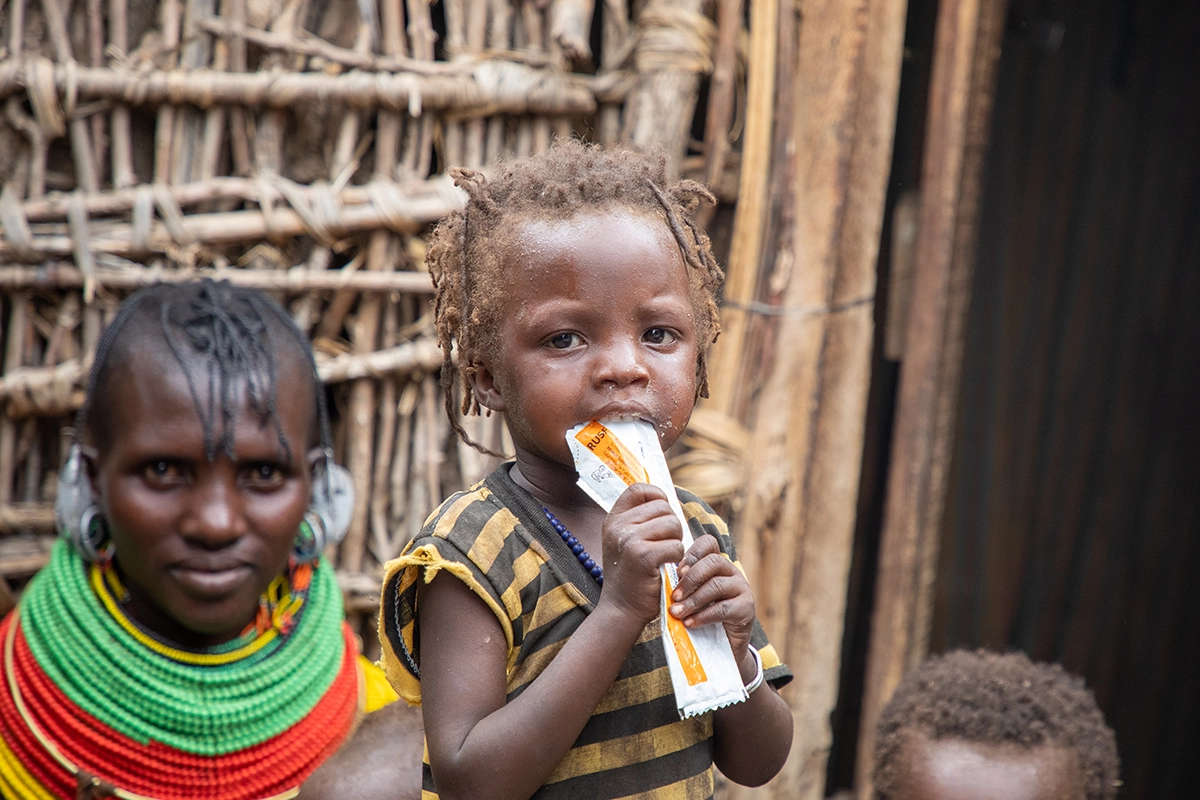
575 285
984 726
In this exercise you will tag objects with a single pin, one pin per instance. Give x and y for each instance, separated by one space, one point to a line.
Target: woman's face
198 541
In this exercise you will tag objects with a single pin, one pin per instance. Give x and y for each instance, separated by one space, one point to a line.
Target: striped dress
496 539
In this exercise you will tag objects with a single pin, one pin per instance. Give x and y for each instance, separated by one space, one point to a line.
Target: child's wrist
750 668
619 617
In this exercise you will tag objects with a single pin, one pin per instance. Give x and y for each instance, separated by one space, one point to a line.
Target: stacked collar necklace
90 697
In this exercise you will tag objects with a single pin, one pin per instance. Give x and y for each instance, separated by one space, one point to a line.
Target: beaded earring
76 513
329 511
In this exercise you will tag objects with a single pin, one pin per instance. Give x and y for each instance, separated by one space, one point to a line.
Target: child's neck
553 484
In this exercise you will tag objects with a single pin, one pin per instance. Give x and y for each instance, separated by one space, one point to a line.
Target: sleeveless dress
496 539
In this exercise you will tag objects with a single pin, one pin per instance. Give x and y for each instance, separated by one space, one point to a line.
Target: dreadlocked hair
223 337
990 698
466 252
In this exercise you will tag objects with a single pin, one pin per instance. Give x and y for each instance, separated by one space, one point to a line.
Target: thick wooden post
960 102
675 48
796 525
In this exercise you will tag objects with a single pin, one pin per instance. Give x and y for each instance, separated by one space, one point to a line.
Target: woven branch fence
299 147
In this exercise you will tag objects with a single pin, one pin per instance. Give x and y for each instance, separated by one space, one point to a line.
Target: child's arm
751 739
479 746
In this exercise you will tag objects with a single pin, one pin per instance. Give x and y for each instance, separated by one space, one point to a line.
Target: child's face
954 769
597 322
198 541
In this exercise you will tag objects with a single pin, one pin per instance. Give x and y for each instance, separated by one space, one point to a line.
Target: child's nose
215 519
622 365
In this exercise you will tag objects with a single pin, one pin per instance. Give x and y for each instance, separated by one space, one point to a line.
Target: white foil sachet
609 457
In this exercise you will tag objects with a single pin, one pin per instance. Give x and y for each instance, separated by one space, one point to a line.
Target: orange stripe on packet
626 466
689 659
616 456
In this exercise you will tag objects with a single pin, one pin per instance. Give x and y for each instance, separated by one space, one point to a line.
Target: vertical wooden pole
796 528
364 333
661 103
967 46
745 251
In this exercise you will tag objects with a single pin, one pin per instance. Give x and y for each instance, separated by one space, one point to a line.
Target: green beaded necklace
206 710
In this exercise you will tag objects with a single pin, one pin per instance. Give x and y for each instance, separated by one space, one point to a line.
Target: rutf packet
609 457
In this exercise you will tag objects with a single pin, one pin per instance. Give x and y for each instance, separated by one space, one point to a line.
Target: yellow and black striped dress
496 539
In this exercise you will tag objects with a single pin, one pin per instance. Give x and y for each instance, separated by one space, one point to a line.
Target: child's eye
264 475
561 341
658 336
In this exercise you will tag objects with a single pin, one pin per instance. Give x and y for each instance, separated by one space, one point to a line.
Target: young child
186 640
574 286
984 726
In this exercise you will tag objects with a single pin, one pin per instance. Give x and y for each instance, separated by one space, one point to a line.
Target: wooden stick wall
299 147
800 361
961 90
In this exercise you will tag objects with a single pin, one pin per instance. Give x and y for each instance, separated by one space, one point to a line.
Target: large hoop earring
77 515
93 542
330 510
309 543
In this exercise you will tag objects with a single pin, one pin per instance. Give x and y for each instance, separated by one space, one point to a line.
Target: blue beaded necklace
588 562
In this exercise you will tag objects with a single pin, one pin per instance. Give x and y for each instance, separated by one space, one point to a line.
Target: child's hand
640 534
712 589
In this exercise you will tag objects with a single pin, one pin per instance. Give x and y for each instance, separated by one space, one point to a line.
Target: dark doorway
1072 530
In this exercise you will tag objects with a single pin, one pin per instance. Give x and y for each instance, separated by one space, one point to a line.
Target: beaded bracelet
757 680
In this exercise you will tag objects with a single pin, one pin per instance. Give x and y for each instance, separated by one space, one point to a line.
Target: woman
186 639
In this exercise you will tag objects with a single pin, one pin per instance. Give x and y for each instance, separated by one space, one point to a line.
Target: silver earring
310 540
76 512
329 510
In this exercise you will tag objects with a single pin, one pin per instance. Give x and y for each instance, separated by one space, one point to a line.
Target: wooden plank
673 50
745 252
295 280
796 526
960 100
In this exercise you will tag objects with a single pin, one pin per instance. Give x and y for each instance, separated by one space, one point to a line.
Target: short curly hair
980 696
468 248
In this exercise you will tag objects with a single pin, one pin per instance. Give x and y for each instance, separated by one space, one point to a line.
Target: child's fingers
702 547
702 567
641 533
636 495
716 597
725 604
714 590
650 542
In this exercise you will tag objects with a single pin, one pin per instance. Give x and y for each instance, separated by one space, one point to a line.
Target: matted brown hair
467 250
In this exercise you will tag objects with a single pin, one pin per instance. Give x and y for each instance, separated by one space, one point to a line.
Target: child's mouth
609 415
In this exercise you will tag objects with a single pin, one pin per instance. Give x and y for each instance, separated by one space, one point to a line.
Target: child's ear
487 392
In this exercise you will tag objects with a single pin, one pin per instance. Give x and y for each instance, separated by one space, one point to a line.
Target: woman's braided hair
467 250
990 698
221 336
